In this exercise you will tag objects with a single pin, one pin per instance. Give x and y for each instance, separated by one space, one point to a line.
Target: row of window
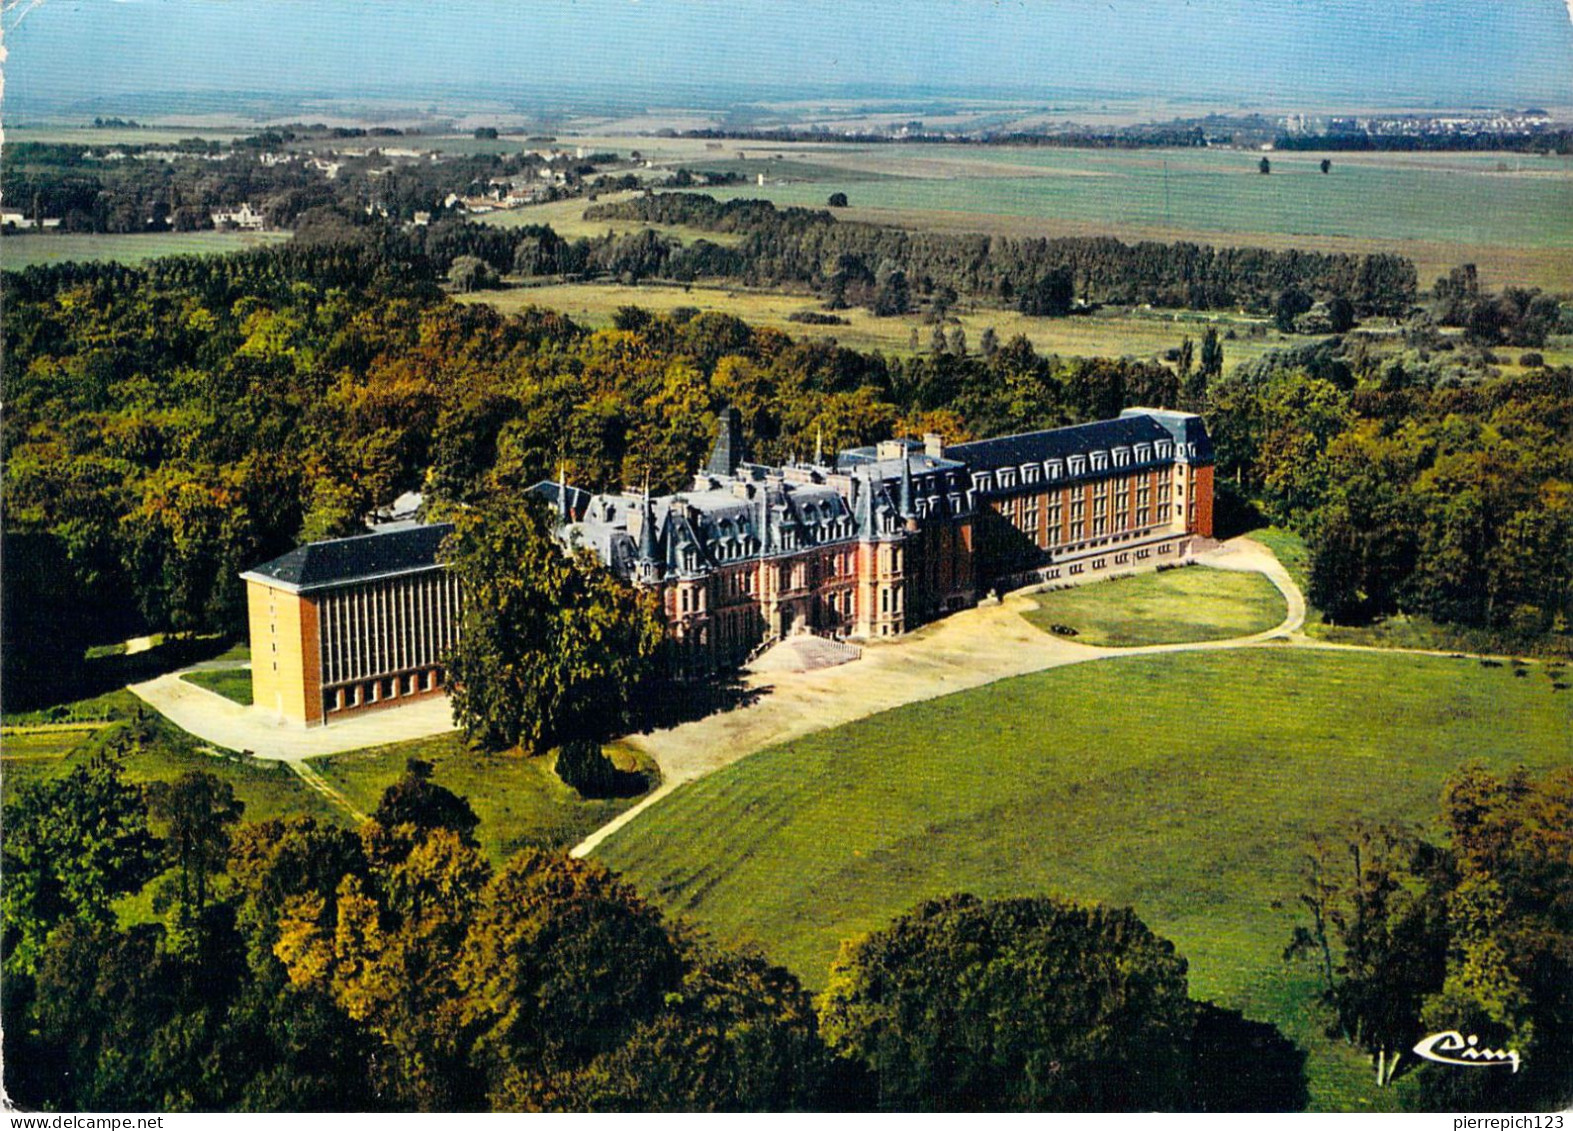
381 690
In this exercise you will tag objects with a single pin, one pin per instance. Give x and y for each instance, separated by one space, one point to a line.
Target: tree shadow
87 678
668 702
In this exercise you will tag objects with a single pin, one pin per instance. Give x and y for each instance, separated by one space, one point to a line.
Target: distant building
245 218
868 545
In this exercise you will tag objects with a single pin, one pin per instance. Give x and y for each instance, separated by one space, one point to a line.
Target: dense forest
170 425
865 264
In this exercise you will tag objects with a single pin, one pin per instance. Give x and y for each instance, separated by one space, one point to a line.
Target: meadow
1108 333
19 252
1176 606
1463 200
1182 785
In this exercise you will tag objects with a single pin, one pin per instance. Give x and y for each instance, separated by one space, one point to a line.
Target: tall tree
552 646
1018 1005
72 846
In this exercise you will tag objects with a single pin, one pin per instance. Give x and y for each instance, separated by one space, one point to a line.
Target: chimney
933 445
728 451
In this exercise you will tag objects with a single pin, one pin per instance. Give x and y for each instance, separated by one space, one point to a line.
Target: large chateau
870 545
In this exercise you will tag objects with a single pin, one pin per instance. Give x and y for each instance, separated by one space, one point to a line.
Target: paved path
227 724
962 651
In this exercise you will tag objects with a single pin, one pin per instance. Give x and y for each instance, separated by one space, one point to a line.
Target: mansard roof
1136 431
393 550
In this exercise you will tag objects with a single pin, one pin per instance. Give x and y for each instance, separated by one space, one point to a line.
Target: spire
562 492
906 485
647 546
819 446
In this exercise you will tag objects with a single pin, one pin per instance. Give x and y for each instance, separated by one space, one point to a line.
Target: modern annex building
352 623
871 545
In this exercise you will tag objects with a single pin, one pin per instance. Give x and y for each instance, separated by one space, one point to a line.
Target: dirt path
320 784
965 650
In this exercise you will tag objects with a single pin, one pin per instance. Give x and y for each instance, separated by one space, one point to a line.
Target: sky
1422 52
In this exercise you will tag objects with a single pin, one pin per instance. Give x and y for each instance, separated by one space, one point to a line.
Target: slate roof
366 557
1135 426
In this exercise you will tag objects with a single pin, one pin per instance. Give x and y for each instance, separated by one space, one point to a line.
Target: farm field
1510 214
1177 606
1109 333
1158 782
566 218
19 252
521 802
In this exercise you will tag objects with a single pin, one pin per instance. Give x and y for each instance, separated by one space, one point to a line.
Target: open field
18 252
1182 785
1510 214
1110 333
1176 606
566 218
234 684
119 135
521 801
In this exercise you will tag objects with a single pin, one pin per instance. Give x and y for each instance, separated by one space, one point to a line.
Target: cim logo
1452 1047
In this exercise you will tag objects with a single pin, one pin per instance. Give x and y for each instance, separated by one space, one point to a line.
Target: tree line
289 965
804 247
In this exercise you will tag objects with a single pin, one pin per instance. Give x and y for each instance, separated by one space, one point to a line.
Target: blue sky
1419 51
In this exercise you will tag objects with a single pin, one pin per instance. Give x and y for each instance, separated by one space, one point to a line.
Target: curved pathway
965 650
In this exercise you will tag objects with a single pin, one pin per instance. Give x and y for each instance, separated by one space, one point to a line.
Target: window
1098 525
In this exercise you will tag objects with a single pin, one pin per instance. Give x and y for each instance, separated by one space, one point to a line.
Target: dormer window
1077 465
1029 473
1053 468
1143 453
980 480
1165 449
1007 477
1100 461
1122 457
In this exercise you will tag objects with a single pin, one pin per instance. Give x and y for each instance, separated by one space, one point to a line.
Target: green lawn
1182 785
234 683
1176 606
520 801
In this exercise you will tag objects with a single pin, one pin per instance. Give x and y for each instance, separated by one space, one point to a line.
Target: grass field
521 802
1441 209
1176 606
269 789
231 684
1181 785
1109 333
18 252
